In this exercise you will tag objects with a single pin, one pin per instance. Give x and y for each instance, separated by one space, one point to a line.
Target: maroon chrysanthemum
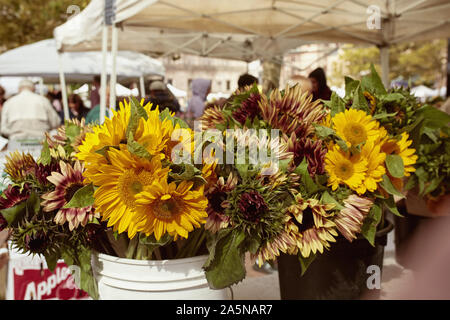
313 151
42 171
249 109
12 196
252 206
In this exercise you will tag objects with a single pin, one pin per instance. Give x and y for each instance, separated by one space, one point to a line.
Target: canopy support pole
62 82
142 87
113 79
103 75
384 59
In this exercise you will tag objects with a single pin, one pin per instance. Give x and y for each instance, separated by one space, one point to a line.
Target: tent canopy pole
113 79
103 75
62 82
142 86
384 60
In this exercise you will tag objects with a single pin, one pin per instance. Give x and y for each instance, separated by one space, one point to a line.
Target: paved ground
262 286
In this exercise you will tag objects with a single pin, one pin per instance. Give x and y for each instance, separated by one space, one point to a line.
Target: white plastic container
129 279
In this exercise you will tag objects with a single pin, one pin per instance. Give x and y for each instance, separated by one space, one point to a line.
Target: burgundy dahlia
41 171
313 151
252 206
249 109
12 196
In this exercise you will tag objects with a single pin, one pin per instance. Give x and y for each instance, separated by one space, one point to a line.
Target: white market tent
40 59
252 29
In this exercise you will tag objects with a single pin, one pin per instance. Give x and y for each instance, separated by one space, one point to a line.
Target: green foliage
370 223
422 62
394 164
227 265
28 21
83 197
306 262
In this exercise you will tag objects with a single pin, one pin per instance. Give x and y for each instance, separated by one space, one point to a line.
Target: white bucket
129 279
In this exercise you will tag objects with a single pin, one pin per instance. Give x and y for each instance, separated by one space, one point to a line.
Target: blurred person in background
196 104
76 107
27 114
161 96
246 80
320 88
302 81
95 92
93 116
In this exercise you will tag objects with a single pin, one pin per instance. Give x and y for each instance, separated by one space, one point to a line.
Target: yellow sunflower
168 208
119 182
152 133
344 168
355 127
375 166
400 147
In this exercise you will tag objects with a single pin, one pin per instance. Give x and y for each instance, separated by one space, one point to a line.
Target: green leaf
137 149
350 86
384 115
359 100
72 131
52 260
306 262
327 198
392 206
137 112
342 144
373 83
83 197
302 171
392 97
228 266
14 214
394 164
370 223
45 157
337 104
387 185
434 118
322 131
166 114
211 244
433 185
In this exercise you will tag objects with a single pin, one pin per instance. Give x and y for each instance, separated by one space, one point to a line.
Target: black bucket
340 273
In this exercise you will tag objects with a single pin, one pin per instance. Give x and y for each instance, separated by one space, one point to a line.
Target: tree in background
28 21
421 62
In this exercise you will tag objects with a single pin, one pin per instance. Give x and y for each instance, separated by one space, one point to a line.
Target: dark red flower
13 196
252 206
313 151
249 109
41 171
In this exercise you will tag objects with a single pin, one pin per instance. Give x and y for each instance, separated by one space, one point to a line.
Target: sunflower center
166 208
307 220
344 169
355 133
70 191
131 182
216 201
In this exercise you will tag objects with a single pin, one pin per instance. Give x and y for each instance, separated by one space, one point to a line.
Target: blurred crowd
28 115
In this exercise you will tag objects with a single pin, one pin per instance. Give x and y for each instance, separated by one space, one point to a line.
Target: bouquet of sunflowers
119 188
335 171
402 115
